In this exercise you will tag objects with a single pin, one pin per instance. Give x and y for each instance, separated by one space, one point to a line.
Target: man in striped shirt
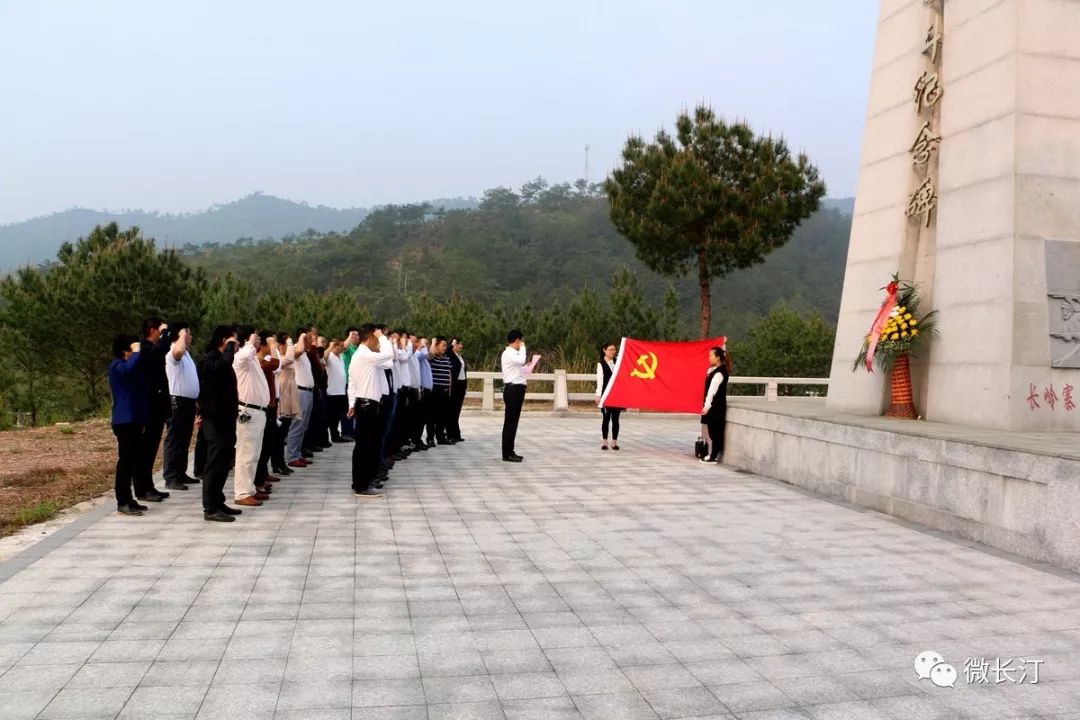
441 375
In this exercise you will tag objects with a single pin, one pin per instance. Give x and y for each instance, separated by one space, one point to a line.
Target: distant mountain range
256 216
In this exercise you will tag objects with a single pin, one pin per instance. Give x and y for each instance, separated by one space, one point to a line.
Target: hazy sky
176 106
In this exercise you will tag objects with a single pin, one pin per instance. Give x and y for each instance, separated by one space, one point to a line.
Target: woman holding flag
605 370
714 413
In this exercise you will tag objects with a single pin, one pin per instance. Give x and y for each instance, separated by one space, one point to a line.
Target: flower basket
902 404
899 330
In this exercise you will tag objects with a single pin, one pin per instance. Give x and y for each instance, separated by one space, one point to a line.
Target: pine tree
715 197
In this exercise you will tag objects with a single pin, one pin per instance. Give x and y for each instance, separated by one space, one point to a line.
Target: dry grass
51 468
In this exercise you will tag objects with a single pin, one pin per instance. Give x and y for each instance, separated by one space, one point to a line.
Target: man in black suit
459 386
219 405
154 345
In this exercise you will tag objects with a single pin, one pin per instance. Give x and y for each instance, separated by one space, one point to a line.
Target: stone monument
970 186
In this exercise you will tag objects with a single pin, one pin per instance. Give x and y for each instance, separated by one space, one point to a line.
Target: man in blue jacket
129 412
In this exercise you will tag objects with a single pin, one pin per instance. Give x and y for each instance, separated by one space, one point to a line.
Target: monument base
1018 492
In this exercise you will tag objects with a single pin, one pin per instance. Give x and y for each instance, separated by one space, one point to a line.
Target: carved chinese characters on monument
923 201
927 94
925 145
928 91
1063 302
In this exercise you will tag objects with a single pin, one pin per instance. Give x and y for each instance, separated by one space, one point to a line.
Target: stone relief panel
1063 302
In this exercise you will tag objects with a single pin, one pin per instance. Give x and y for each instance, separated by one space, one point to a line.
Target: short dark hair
366 332
351 329
150 323
380 326
121 344
513 336
438 339
245 331
176 327
220 334
303 330
283 337
266 335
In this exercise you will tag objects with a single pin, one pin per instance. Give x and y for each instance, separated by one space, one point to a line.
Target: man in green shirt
352 342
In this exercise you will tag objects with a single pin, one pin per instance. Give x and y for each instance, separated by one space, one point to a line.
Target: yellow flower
913 322
903 326
902 310
895 336
904 334
914 333
907 316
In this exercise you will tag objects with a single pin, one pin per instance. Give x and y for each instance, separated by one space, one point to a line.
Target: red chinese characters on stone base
1033 397
1050 397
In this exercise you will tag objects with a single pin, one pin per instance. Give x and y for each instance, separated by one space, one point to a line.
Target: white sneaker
707 461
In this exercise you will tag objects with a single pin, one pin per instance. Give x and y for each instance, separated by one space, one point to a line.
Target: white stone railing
561 397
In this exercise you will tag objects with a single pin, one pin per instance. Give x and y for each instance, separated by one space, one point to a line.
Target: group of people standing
260 400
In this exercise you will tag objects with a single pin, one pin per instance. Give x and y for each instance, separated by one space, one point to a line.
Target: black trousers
316 434
178 440
220 433
717 422
277 453
270 441
419 418
200 454
457 402
400 432
514 399
336 408
441 413
368 439
611 418
128 459
151 443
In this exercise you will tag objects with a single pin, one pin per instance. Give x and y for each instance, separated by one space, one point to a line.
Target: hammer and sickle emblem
646 369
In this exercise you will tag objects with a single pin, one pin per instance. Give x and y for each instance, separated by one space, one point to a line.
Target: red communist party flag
660 375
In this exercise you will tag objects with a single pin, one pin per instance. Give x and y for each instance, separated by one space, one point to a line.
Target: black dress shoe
307 454
513 458
128 510
218 516
519 457
191 481
431 443
136 506
230 510
176 486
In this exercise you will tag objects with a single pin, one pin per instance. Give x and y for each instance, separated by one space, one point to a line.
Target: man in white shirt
183 396
515 370
254 400
337 403
305 384
367 385
402 381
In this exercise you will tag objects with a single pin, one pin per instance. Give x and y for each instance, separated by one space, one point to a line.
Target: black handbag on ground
701 448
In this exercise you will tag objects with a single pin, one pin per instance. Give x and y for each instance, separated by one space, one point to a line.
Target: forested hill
254 216
536 246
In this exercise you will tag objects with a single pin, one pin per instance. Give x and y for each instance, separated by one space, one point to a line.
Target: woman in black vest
714 413
604 370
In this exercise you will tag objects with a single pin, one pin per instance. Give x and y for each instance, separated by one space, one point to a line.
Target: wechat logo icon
930 665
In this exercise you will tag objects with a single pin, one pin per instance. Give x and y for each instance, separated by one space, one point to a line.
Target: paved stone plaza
581 584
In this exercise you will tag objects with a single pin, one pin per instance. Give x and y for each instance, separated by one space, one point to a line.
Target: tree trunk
706 296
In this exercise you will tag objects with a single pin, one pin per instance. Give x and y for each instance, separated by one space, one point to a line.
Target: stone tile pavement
581 584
